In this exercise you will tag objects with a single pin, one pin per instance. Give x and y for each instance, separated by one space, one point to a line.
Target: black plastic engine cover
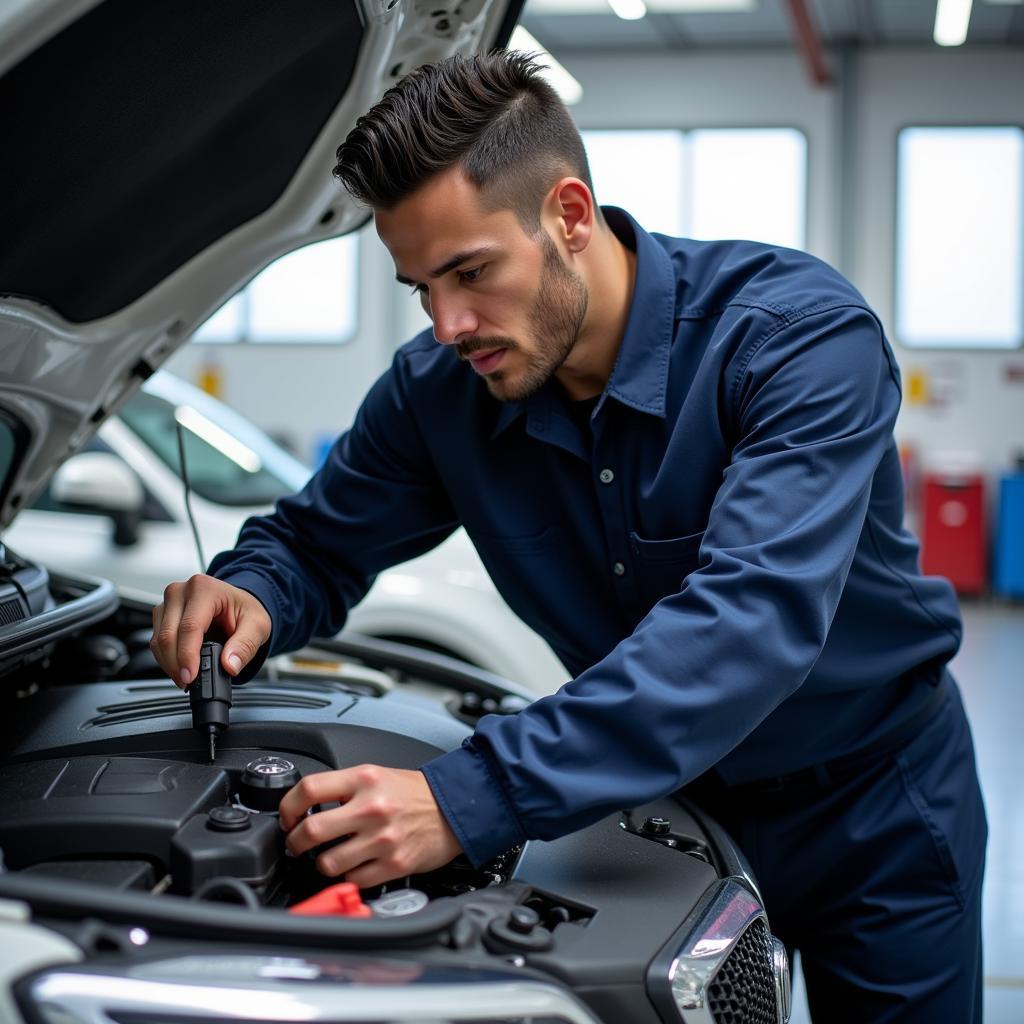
101 806
227 841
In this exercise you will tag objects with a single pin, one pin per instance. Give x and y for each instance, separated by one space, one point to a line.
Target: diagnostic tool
210 695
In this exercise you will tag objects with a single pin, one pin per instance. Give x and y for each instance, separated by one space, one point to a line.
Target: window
306 296
644 172
712 183
222 467
960 237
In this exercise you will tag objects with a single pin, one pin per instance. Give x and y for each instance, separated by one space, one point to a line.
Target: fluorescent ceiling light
569 90
628 10
951 19
665 6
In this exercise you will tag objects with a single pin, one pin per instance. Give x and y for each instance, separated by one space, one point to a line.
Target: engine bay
164 823
106 782
113 818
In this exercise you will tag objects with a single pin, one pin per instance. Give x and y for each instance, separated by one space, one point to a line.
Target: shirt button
606 476
619 569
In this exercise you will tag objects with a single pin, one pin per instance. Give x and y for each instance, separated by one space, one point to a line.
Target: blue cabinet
1008 578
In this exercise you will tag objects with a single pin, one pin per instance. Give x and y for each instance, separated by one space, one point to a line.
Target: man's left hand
394 825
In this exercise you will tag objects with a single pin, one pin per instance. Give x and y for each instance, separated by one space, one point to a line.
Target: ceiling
769 24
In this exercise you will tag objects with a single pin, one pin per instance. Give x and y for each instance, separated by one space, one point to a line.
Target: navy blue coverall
715 550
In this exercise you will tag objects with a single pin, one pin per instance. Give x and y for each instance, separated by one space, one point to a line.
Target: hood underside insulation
143 132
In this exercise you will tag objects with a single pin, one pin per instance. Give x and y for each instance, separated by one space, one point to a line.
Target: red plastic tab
342 899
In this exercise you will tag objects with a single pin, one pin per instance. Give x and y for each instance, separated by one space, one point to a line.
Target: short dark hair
493 115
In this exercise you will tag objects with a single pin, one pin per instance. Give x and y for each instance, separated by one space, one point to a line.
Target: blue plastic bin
1008 578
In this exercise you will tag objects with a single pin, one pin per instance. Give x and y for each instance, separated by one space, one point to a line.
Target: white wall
985 411
304 390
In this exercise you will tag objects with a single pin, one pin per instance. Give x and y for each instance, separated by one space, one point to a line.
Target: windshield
223 467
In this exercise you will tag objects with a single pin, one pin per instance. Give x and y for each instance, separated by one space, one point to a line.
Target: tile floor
990 670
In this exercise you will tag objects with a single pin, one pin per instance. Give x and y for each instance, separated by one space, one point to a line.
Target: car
162 154
144 883
117 509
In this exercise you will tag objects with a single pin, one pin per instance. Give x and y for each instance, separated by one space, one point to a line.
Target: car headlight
724 967
266 988
783 982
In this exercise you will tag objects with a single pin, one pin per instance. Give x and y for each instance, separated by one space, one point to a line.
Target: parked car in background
117 510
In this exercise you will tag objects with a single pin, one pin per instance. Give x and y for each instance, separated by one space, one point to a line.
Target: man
676 460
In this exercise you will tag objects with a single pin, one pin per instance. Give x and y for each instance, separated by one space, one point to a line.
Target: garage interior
849 79
818 124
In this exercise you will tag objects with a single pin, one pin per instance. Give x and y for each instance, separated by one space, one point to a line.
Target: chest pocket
662 565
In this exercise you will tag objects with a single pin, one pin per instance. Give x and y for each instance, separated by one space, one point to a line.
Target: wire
188 495
226 889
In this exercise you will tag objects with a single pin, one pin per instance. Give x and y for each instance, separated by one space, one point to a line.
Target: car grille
743 989
11 612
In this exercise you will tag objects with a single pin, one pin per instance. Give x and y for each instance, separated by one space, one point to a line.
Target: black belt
829 773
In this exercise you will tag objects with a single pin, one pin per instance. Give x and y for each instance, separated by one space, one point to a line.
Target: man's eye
471 275
418 289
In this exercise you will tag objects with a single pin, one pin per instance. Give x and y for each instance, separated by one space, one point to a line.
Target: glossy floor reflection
990 670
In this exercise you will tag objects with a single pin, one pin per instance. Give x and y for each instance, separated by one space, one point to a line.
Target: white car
117 510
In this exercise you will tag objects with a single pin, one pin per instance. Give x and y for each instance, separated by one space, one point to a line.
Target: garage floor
990 670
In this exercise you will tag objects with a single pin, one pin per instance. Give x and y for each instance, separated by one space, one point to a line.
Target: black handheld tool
210 695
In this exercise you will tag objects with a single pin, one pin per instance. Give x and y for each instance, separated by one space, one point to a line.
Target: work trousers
876 879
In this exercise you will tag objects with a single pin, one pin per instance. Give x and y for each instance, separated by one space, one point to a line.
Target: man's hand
189 609
394 825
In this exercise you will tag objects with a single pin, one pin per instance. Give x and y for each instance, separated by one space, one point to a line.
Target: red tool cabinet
954 540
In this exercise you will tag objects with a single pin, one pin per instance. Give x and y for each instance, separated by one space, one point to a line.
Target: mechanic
676 460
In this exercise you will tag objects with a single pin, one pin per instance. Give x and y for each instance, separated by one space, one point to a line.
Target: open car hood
157 156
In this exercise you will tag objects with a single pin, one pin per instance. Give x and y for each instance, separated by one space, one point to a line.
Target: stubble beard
555 321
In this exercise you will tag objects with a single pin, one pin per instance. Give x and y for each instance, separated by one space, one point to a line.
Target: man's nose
452 321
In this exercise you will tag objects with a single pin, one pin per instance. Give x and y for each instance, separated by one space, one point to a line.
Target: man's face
504 300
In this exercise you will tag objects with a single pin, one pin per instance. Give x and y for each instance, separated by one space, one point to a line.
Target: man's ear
570 205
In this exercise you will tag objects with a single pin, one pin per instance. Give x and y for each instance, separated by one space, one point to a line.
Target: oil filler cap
265 781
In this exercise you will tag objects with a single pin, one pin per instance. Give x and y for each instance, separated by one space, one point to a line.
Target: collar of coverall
640 374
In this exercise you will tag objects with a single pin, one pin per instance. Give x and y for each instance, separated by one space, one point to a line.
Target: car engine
114 823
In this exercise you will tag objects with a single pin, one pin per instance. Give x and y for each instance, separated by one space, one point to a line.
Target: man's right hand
188 611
